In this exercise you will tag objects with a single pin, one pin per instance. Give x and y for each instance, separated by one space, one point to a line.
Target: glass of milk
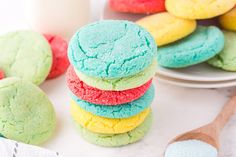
57 17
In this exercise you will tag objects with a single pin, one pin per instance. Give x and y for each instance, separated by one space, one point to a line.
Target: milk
57 17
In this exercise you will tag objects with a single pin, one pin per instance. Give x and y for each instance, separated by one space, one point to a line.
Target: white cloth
9 148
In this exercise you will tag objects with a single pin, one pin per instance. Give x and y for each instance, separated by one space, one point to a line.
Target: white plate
200 72
195 84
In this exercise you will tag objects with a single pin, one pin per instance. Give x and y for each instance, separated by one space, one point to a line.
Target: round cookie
226 59
138 6
25 54
97 96
116 140
228 20
26 113
59 51
2 75
166 28
198 47
103 125
111 49
199 9
119 111
120 84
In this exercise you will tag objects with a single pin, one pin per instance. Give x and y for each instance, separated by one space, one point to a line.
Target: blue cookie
198 47
118 111
111 49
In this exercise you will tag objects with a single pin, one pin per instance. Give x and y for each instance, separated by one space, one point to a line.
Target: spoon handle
228 110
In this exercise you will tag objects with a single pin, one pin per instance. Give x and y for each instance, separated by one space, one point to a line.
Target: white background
176 109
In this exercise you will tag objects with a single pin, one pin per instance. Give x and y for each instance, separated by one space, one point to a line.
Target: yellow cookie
228 20
166 28
103 125
199 9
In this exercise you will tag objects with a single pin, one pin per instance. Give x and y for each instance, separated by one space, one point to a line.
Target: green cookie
26 114
116 140
226 59
25 54
120 83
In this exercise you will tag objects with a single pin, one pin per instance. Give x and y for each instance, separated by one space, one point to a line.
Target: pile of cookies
32 56
27 59
176 27
110 79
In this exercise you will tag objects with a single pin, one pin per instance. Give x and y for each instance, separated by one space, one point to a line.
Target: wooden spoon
210 133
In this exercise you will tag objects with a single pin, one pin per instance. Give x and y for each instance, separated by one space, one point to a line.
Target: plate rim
192 78
196 84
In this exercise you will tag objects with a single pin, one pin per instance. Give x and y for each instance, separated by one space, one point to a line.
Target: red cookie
2 75
97 96
60 59
138 6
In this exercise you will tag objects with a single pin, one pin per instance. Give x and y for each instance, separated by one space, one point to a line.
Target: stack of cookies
110 79
187 32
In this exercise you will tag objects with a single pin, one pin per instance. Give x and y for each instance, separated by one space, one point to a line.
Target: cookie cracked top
112 49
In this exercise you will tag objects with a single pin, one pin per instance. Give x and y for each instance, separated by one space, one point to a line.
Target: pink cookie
138 6
2 75
60 59
97 96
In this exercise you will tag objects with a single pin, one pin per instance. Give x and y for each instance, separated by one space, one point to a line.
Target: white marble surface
176 110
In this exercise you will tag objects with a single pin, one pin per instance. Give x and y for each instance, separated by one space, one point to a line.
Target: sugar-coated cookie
99 124
25 54
228 20
26 114
198 47
166 28
97 96
2 75
116 140
226 59
138 6
59 51
118 111
120 84
199 9
111 49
